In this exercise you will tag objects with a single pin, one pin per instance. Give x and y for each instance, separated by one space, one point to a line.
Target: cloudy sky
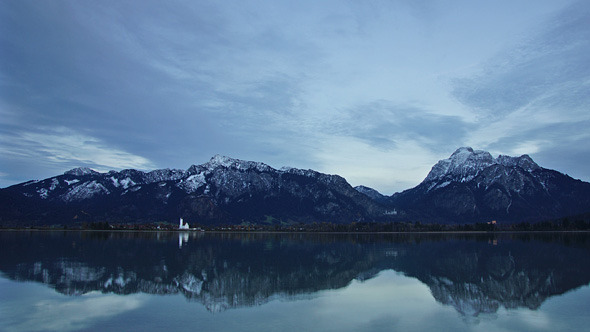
375 91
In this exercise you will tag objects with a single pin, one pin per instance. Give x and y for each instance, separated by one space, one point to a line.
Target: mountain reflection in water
473 273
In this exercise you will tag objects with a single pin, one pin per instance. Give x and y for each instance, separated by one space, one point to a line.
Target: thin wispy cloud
534 98
58 147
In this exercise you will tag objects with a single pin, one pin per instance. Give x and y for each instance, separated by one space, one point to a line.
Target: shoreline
283 232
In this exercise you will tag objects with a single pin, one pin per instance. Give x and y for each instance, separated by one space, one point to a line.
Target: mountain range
469 186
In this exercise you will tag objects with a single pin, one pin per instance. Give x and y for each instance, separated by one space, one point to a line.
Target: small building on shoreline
182 225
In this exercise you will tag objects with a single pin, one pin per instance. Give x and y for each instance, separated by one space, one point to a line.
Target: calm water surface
99 281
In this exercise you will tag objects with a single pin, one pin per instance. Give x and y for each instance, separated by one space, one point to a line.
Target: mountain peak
465 164
461 155
524 161
463 150
472 186
462 165
228 162
80 171
220 160
372 193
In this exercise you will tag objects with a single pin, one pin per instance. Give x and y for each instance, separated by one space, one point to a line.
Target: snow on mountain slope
220 189
370 192
471 185
465 164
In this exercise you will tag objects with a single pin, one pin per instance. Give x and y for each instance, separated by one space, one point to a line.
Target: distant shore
215 231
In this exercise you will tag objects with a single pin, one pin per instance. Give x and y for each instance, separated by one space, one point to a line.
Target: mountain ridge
469 186
222 190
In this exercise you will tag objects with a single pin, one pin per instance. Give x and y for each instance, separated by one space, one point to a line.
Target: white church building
182 225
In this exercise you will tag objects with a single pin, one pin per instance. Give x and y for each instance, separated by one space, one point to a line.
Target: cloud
361 163
548 69
382 123
60 149
533 98
279 82
73 314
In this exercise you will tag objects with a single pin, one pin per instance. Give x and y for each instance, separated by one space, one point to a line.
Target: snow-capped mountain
465 164
223 190
473 186
372 193
469 186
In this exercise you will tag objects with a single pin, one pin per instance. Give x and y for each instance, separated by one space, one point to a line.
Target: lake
153 281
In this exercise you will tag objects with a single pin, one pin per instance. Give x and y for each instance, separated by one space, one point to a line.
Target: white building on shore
182 225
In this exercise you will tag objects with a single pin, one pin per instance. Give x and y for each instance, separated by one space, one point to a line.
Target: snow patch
54 184
135 188
84 191
127 182
193 183
115 181
189 283
444 184
124 183
43 192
